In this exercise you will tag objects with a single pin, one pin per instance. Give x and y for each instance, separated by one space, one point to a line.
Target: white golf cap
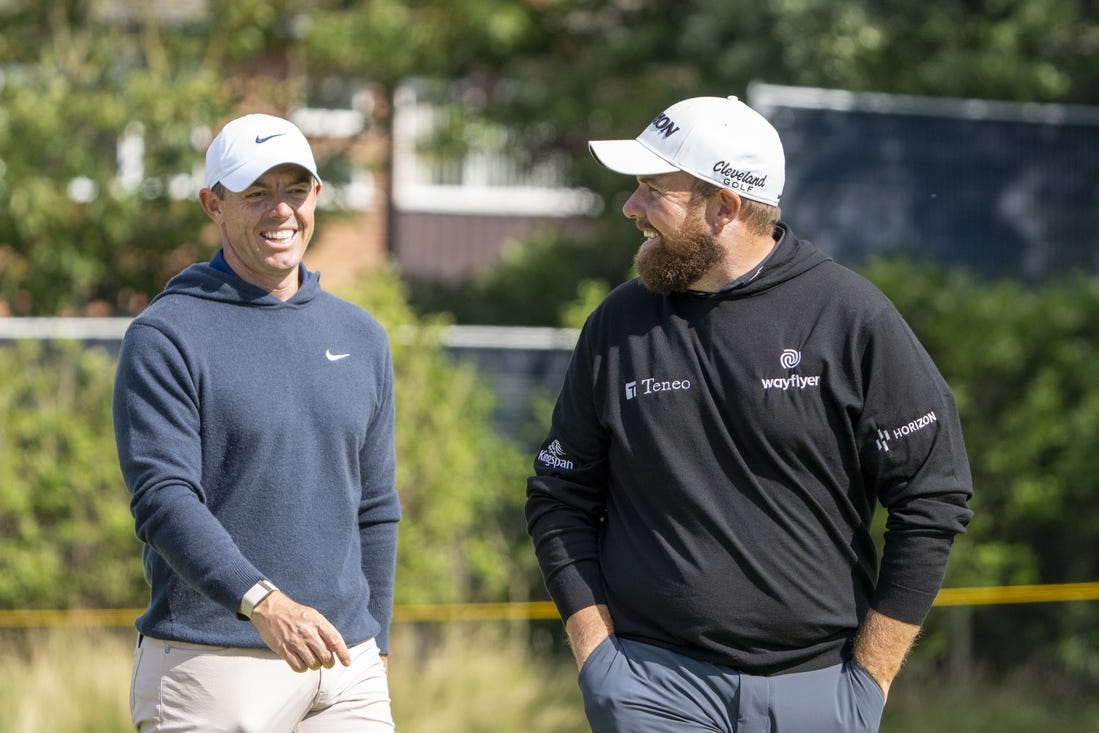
249 146
718 139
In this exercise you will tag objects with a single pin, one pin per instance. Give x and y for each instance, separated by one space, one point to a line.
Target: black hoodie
713 465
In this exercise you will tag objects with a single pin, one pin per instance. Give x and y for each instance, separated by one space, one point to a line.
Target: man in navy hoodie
701 508
254 420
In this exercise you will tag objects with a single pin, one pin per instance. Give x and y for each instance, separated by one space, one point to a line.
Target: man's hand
881 646
587 628
299 634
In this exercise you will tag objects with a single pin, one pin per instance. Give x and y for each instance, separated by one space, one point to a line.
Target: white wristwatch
255 594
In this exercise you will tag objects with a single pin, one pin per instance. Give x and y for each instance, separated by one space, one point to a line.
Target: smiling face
680 247
266 228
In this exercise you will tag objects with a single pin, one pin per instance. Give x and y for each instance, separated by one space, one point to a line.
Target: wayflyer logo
790 359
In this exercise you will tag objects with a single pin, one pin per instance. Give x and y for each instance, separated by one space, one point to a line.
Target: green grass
470 678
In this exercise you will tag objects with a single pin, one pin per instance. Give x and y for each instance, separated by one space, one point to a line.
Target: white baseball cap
249 146
718 139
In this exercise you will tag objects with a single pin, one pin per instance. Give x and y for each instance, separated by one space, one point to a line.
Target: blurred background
949 151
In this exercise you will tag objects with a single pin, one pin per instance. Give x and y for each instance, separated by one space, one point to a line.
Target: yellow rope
539 610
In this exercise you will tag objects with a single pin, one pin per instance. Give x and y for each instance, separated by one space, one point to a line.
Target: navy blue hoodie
713 465
255 437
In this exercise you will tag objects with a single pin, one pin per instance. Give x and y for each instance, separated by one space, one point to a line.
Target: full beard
678 260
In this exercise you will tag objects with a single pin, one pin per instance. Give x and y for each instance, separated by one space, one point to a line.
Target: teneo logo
913 426
663 123
737 179
554 457
651 385
789 359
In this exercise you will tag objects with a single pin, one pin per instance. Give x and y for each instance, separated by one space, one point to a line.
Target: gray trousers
632 687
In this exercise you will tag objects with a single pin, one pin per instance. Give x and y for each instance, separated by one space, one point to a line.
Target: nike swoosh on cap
334 357
262 140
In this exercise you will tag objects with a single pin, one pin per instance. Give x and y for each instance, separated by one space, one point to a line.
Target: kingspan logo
553 456
790 359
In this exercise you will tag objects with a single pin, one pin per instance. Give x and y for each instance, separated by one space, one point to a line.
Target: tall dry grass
65 681
481 679
461 679
472 678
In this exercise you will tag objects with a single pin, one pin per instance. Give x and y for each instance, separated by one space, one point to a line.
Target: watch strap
255 594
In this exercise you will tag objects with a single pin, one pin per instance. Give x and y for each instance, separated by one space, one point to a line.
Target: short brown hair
760 218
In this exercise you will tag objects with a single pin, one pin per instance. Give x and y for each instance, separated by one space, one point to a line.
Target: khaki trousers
180 687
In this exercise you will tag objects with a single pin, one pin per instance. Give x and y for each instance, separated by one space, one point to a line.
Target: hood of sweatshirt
790 258
208 282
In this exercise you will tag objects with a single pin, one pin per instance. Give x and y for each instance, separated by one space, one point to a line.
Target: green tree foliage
534 282
76 229
594 66
76 82
66 535
103 119
78 79
390 40
593 69
463 537
1023 365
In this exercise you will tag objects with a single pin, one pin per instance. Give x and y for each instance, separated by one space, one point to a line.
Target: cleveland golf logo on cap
739 179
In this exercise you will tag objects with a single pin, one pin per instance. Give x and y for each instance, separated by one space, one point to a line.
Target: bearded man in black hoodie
701 507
